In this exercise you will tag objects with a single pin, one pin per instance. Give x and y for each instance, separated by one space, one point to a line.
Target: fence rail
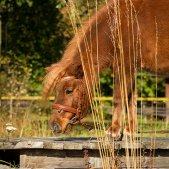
162 99
147 107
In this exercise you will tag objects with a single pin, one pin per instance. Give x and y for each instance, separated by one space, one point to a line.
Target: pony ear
79 72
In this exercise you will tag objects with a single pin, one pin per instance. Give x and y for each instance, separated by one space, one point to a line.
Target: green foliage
33 32
150 85
15 75
106 81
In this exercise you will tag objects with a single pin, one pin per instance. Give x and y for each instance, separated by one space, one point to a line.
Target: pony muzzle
55 127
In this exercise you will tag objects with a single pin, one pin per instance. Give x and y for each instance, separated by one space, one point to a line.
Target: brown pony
127 35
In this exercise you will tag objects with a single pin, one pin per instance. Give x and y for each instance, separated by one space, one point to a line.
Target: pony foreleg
114 129
120 102
131 114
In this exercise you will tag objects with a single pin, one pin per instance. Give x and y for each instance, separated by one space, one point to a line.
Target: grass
32 121
32 124
28 125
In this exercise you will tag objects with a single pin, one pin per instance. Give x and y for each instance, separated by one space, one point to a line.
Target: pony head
71 100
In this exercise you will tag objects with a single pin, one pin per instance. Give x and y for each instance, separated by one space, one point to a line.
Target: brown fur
142 43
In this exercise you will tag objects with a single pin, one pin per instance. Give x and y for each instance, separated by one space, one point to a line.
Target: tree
32 31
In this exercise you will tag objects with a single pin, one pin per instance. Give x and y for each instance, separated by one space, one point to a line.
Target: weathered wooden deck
73 153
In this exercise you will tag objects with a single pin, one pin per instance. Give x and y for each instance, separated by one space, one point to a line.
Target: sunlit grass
32 124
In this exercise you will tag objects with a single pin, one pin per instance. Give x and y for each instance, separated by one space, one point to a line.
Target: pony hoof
114 136
127 133
130 134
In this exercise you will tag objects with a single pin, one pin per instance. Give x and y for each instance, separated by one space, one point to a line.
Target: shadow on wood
69 153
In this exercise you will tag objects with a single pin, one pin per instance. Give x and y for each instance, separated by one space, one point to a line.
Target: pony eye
69 91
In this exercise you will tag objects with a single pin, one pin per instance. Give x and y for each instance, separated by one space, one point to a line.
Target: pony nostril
56 128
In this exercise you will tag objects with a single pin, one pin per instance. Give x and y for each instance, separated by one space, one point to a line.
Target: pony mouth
56 130
67 129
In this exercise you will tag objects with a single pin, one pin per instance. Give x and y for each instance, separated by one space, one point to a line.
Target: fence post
0 47
167 96
0 33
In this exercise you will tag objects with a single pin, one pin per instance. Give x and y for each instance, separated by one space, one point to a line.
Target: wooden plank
69 152
29 144
51 162
60 144
131 145
93 145
6 145
52 145
72 146
155 143
144 162
51 159
40 159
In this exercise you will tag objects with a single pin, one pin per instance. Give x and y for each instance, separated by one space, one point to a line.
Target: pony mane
55 72
71 57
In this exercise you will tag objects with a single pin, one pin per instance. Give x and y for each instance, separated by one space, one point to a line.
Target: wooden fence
162 99
83 153
154 109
